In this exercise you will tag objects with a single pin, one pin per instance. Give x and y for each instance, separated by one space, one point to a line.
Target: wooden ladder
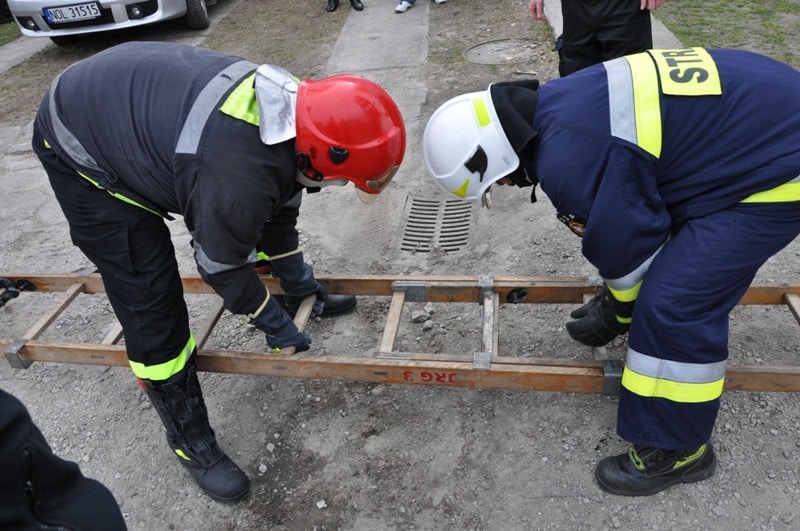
483 368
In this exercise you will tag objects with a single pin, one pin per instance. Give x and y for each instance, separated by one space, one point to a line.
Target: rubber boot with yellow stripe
179 402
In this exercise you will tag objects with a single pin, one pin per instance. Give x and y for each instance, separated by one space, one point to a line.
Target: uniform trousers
133 252
682 312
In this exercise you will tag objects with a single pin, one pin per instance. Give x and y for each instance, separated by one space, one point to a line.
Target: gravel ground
328 454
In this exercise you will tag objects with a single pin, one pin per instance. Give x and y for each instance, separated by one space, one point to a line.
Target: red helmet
348 127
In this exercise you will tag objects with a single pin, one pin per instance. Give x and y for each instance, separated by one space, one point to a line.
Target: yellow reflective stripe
119 196
248 318
627 295
241 103
681 392
284 255
481 112
687 72
646 102
780 194
182 455
163 371
690 458
261 255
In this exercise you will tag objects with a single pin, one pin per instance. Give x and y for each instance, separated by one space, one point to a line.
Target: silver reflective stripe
634 277
620 99
674 371
206 102
210 266
66 139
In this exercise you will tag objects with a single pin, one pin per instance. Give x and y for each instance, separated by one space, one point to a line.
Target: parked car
61 20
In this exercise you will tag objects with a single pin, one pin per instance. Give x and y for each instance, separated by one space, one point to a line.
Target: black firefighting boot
644 471
179 402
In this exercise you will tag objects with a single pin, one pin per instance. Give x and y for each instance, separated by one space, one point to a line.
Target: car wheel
196 14
63 40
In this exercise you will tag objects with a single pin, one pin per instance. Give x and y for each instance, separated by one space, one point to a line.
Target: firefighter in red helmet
230 146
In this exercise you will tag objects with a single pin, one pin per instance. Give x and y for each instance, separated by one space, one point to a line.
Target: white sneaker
402 7
439 1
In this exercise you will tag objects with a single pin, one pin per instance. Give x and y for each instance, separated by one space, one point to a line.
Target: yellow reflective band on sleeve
628 295
687 72
784 193
248 318
680 392
284 255
163 371
242 104
646 103
481 112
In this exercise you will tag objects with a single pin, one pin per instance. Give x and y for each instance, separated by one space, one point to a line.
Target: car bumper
114 14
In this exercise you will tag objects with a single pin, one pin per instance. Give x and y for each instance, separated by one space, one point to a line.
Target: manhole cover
438 224
501 52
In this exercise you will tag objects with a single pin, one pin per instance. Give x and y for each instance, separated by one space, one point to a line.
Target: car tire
196 14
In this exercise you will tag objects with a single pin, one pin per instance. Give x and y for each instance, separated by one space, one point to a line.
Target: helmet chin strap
310 183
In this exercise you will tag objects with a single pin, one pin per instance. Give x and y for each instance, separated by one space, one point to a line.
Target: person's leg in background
39 490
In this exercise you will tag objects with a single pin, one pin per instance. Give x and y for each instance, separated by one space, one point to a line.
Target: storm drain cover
501 52
437 224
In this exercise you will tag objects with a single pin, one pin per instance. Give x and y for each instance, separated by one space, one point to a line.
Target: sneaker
439 1
644 471
402 7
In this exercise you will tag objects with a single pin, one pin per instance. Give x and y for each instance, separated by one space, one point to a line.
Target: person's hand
8 290
584 310
536 7
650 5
298 282
596 322
279 328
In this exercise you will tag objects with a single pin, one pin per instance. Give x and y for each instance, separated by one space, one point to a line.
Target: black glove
594 301
8 290
298 282
280 329
597 323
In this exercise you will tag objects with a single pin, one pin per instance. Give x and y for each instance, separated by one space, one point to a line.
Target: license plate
59 15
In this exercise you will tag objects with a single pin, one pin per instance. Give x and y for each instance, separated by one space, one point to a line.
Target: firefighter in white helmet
680 169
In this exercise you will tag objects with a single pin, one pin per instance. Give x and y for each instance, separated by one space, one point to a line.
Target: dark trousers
39 490
682 311
600 30
132 249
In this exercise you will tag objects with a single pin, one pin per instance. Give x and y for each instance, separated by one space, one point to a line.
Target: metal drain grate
502 52
437 224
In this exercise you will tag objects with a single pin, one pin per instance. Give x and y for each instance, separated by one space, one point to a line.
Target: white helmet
466 149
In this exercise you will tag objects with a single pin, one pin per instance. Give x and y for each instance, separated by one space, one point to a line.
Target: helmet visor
376 186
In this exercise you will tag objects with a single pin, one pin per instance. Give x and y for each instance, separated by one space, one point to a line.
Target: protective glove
280 329
298 282
598 322
594 301
8 290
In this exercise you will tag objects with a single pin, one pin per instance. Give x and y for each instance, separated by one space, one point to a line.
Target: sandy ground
326 454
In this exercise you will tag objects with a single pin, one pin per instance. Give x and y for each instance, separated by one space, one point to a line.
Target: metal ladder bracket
612 376
12 355
414 290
